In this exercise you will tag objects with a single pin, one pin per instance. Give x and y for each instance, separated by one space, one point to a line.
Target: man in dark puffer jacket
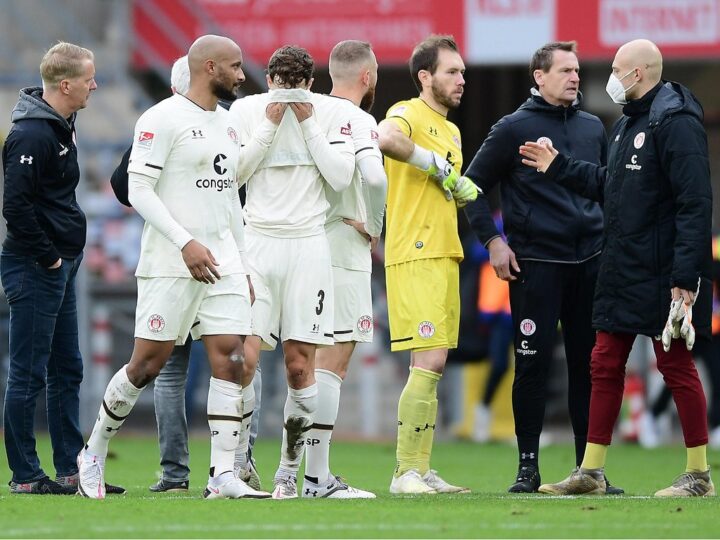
657 198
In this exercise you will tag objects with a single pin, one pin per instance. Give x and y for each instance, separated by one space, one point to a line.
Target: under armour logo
197 133
313 492
528 455
433 131
26 159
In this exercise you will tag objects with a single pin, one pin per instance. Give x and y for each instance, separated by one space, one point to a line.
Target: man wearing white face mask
657 200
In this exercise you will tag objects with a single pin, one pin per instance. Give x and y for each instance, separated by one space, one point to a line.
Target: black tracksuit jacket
41 173
543 221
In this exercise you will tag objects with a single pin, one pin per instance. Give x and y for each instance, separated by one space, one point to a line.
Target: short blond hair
63 61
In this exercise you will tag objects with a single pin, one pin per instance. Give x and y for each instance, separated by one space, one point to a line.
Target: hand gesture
538 156
359 226
200 262
302 111
502 258
275 111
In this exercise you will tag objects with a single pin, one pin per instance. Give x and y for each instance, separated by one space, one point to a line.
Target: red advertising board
166 27
681 28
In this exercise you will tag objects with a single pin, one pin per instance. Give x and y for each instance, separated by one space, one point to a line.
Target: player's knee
298 373
141 373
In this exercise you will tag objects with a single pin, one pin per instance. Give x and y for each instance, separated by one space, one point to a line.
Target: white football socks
119 399
224 412
317 452
248 395
300 408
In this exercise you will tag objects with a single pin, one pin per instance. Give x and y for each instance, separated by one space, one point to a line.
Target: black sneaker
71 482
612 490
43 486
527 481
168 486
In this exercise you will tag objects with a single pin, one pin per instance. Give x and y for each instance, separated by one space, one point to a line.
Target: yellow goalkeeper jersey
421 222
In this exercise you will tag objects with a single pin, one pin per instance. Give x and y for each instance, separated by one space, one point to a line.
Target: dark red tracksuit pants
607 369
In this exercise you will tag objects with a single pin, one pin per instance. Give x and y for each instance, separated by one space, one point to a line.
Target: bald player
656 260
192 275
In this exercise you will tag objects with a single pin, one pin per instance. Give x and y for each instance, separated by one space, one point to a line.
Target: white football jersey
193 155
348 248
286 193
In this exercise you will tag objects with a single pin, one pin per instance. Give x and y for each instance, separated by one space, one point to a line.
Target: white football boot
334 488
91 475
410 483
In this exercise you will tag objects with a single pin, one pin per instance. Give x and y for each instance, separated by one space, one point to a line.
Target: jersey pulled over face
192 154
348 248
421 222
286 193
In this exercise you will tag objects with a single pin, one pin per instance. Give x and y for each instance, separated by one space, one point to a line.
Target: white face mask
616 90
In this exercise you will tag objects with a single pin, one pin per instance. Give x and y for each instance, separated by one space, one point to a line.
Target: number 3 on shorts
321 298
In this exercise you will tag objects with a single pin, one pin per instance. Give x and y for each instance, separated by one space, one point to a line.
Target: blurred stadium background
135 43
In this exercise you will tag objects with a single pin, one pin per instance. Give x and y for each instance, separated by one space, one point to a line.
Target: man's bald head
642 57
215 64
210 47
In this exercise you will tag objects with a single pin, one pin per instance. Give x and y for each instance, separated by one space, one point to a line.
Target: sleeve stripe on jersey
337 142
158 167
364 148
408 123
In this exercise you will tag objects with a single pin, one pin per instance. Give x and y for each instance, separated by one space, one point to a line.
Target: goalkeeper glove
679 325
432 164
465 191
443 173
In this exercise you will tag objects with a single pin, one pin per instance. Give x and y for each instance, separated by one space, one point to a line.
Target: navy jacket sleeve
24 154
491 164
119 179
584 178
682 147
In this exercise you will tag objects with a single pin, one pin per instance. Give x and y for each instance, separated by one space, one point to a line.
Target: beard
443 98
368 100
224 90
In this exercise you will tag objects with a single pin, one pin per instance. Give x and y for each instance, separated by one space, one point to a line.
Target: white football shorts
293 285
168 309
353 306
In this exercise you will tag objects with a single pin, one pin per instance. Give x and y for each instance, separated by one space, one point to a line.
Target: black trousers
544 294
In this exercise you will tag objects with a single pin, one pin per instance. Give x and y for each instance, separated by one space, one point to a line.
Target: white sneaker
334 488
91 475
248 474
647 431
481 425
234 488
432 479
285 488
410 483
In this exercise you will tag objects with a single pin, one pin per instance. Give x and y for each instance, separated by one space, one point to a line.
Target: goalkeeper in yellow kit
422 248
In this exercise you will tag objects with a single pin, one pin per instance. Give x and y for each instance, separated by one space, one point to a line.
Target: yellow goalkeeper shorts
423 304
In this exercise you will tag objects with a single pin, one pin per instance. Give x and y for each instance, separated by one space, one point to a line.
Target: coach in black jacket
40 258
554 237
657 199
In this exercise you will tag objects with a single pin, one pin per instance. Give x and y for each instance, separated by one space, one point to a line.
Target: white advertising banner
503 31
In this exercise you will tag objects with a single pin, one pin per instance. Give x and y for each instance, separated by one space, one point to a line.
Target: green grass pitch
488 512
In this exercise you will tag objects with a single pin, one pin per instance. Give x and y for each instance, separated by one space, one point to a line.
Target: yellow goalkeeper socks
426 442
697 459
414 409
595 455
